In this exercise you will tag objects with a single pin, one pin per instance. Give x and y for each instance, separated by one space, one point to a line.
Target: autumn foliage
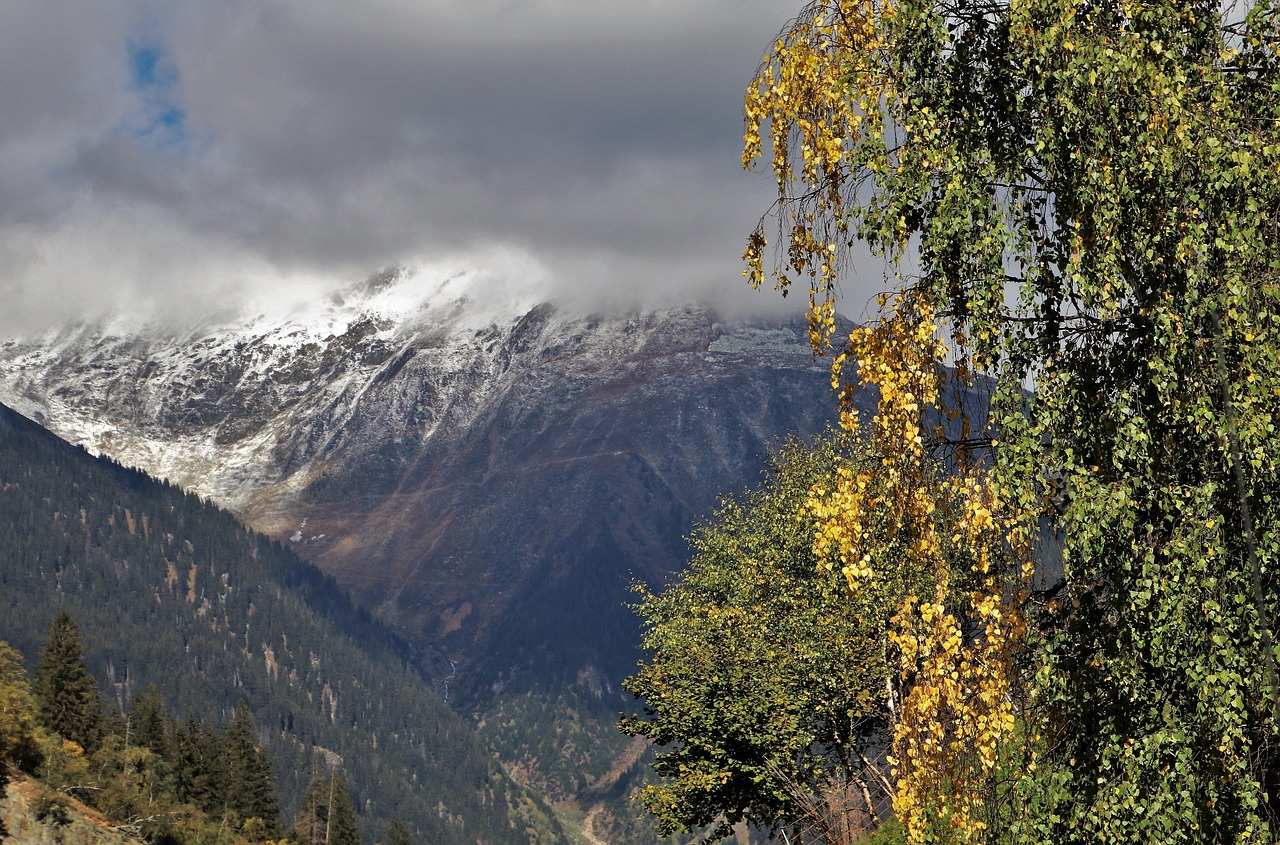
1077 204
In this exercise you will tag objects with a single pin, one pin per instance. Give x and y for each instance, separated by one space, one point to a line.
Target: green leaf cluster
1088 195
767 685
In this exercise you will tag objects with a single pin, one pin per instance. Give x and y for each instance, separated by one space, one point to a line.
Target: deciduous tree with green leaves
768 686
19 736
1080 202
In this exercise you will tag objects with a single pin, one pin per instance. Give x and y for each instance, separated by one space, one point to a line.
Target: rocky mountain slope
23 820
487 479
169 590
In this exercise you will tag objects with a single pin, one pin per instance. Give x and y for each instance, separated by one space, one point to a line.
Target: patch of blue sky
159 122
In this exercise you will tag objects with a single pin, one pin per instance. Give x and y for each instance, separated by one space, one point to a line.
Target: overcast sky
199 150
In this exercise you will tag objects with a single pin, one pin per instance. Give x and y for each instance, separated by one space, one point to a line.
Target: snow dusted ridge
207 407
237 405
486 471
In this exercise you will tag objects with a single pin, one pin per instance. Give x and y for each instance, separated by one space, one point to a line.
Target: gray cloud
169 152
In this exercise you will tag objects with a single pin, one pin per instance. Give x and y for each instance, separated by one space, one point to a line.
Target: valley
487 481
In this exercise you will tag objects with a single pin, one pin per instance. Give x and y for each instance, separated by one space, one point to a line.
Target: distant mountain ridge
486 478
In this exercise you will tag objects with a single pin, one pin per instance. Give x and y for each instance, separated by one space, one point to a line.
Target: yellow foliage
1087 193
802 93
957 709
815 91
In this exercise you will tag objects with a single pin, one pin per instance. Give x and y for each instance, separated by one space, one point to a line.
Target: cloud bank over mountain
186 152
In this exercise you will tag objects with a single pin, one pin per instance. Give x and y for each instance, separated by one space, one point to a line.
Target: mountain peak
436 450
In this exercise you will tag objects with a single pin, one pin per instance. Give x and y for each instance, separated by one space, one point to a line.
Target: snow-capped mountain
215 407
488 478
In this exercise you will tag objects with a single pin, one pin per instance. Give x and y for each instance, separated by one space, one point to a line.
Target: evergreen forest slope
489 483
171 590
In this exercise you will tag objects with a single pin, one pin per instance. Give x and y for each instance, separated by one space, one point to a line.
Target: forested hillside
171 591
489 484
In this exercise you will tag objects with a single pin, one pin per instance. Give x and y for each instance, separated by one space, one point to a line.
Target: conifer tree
199 767
327 817
113 723
397 833
146 726
67 695
251 789
310 828
343 829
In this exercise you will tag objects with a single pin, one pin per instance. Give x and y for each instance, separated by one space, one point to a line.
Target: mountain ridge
446 461
171 590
